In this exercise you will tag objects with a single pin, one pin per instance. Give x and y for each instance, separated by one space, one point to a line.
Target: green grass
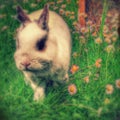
16 99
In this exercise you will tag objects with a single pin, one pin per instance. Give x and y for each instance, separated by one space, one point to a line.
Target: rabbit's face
31 46
34 49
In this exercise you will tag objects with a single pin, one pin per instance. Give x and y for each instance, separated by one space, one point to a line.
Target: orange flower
98 40
98 63
75 23
107 40
109 14
82 15
74 69
63 6
72 13
89 22
72 17
94 34
84 30
61 11
105 29
118 83
67 13
107 35
86 79
72 89
109 89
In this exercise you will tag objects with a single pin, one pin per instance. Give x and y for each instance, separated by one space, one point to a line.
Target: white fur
49 64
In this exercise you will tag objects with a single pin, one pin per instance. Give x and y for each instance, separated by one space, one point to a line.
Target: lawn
94 69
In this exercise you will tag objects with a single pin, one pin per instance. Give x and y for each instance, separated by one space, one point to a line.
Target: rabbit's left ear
43 19
22 16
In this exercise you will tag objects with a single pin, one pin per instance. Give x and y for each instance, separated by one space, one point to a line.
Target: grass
91 102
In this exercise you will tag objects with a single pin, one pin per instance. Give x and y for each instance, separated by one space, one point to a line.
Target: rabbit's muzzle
25 63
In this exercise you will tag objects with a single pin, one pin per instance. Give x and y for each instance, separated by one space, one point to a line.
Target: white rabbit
43 47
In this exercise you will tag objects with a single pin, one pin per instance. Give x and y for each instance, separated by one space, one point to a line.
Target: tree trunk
81 12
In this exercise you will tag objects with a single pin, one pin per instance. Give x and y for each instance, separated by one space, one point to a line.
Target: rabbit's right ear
22 16
43 19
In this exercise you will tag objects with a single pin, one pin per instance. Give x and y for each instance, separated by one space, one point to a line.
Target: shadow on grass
3 114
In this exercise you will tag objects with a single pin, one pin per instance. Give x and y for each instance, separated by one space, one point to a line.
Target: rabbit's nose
25 64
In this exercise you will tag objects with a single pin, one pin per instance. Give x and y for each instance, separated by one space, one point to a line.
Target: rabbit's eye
41 43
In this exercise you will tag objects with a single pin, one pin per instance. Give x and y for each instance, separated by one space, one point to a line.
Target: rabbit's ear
22 16
43 19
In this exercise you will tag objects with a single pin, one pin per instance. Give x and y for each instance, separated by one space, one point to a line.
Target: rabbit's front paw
66 78
39 94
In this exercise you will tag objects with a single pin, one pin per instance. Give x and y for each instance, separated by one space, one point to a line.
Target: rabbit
43 49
